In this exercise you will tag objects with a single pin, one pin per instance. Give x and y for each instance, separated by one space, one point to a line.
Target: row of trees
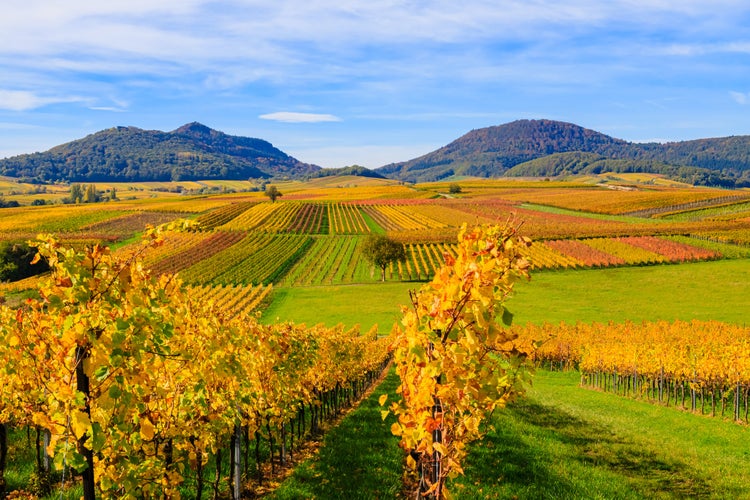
87 193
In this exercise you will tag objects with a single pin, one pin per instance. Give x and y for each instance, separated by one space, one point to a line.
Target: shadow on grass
538 451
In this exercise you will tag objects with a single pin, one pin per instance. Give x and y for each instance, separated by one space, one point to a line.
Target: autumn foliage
455 360
137 381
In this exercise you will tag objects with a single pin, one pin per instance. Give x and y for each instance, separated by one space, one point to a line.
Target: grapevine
456 363
137 383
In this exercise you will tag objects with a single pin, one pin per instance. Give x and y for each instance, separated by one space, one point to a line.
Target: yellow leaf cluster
455 361
169 375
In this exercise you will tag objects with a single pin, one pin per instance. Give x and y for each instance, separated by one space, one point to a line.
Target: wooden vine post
456 361
83 386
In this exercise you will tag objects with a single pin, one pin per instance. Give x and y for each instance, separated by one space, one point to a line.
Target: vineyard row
697 365
215 380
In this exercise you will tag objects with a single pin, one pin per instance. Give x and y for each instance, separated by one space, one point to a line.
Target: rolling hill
527 148
549 148
191 152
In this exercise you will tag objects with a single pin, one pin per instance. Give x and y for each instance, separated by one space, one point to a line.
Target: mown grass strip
373 226
359 458
714 290
366 305
589 215
563 441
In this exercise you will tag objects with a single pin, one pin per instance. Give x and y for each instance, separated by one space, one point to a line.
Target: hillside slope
495 151
191 152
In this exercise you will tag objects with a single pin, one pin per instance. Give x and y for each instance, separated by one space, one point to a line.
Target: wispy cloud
24 100
113 105
17 126
438 63
292 117
701 49
107 108
740 97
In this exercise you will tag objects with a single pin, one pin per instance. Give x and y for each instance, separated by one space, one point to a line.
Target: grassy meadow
302 255
364 305
716 290
561 440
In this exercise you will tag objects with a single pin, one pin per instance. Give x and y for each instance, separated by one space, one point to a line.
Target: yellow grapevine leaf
384 414
440 449
147 429
382 399
80 423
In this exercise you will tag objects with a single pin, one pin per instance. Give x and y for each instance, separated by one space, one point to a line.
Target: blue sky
371 82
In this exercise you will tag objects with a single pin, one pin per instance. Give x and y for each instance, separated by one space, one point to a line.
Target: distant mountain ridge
191 152
520 147
539 148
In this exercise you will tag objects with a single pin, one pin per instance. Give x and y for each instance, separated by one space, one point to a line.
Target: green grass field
366 305
561 441
716 290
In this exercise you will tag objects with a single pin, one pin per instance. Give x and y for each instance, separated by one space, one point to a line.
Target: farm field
640 253
716 290
560 441
564 441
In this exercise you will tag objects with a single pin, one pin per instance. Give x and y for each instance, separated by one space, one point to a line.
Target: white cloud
708 48
202 33
199 45
24 100
115 106
739 97
399 59
107 108
292 117
16 126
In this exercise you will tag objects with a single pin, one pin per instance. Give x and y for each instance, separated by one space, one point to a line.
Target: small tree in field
381 251
273 192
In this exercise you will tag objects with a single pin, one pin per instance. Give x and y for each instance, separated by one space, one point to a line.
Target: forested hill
191 152
494 151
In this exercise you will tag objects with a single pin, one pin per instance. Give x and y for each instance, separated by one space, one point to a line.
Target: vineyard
311 238
232 395
215 375
698 366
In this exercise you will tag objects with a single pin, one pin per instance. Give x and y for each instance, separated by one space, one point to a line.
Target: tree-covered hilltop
575 163
491 151
496 151
355 170
191 152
